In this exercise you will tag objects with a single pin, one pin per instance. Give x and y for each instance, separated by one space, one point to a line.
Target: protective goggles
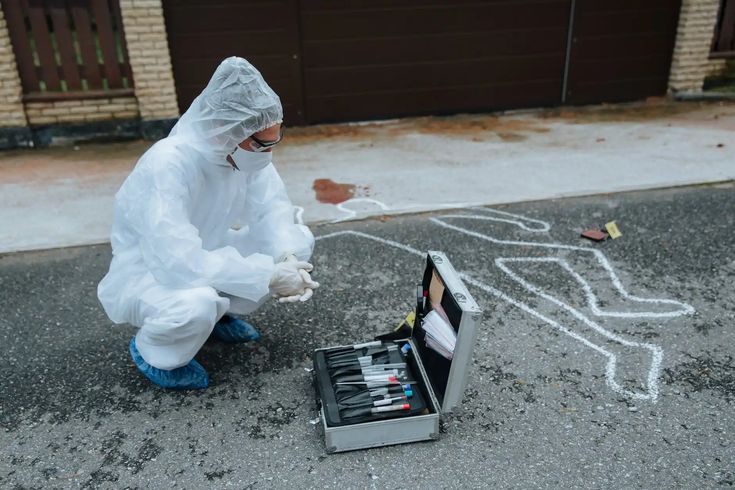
260 145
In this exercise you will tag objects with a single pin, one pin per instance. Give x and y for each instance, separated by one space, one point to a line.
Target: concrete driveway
63 196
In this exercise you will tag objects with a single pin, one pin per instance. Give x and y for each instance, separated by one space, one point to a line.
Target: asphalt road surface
597 365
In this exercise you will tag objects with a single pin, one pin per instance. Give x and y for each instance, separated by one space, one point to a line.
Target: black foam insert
325 388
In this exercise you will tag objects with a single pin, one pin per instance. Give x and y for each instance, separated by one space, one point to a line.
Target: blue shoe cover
193 376
231 329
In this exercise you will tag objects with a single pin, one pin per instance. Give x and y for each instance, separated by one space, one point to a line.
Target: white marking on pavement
372 237
684 309
299 214
652 389
656 351
518 221
351 213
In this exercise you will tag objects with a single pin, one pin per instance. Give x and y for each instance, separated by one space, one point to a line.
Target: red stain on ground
328 191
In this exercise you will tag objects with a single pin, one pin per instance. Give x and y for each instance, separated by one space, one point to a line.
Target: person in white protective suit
202 227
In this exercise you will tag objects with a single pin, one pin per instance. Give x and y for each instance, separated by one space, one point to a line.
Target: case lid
442 286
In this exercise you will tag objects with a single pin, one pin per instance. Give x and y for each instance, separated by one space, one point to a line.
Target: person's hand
308 291
291 281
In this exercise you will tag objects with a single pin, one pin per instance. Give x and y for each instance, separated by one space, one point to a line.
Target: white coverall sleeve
269 215
172 248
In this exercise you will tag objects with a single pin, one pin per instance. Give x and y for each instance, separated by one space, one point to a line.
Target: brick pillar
14 129
150 61
690 63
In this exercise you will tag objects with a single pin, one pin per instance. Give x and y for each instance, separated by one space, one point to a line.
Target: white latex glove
291 279
308 291
306 294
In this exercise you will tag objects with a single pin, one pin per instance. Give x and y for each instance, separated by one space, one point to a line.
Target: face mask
251 161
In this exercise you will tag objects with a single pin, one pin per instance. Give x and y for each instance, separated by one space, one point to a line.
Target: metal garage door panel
365 20
464 98
202 33
411 76
431 47
621 50
368 59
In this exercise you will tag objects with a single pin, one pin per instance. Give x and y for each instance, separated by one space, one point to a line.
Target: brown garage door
621 50
365 59
203 32
378 58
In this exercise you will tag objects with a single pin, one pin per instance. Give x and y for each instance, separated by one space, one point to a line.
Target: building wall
11 92
153 102
81 111
150 61
690 64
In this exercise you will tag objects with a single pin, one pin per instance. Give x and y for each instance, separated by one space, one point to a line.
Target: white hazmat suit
192 237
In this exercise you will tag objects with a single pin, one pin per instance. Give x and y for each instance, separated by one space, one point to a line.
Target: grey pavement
578 381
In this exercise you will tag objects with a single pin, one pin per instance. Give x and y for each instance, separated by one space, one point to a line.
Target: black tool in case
337 413
436 383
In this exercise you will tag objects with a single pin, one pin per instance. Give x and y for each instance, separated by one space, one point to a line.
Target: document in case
440 336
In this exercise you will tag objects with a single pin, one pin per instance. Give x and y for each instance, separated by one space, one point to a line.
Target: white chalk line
372 237
652 389
352 213
652 392
592 301
656 351
519 221
684 309
299 214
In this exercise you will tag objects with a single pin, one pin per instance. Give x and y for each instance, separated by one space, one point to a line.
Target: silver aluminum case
466 335
419 427
384 432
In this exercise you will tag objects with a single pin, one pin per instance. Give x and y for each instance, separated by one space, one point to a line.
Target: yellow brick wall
150 61
11 92
690 63
81 111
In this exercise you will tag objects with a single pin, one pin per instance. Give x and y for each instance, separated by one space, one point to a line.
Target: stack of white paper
440 336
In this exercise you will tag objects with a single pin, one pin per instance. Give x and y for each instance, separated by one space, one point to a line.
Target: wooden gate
69 49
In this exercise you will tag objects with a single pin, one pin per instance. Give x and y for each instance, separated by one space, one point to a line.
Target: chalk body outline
599 256
652 389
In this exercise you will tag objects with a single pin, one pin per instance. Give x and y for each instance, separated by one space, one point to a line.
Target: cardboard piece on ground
595 235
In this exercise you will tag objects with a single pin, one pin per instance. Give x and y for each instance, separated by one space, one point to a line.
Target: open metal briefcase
439 382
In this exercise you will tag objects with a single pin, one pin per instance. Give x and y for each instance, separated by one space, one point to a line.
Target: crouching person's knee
205 308
172 338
